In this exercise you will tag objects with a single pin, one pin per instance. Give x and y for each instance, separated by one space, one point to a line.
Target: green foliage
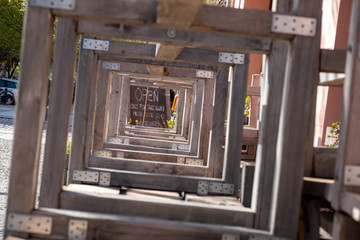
247 106
335 131
68 147
170 122
11 21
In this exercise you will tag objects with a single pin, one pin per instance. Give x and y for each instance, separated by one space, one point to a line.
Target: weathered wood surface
234 133
109 226
167 51
157 62
332 60
124 103
85 88
82 198
206 40
145 148
114 105
317 187
150 142
188 106
30 110
155 181
216 155
268 129
254 101
146 166
60 102
345 228
180 111
300 83
250 22
101 108
178 138
177 13
207 112
196 127
155 70
348 152
324 162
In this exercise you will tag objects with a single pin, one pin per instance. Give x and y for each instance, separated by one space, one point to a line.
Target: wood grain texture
216 154
207 118
177 13
138 11
206 40
268 130
155 70
101 108
157 62
85 88
188 104
167 52
348 150
168 210
234 132
124 103
242 21
180 111
300 83
332 60
345 227
110 226
30 110
114 105
196 120
146 166
60 104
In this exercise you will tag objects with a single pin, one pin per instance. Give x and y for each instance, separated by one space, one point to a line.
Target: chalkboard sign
148 102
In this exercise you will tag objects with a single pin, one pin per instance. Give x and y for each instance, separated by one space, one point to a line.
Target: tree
11 21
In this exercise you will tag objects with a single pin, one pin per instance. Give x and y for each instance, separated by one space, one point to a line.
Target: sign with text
147 107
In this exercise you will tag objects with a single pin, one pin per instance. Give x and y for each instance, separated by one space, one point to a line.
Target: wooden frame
37 34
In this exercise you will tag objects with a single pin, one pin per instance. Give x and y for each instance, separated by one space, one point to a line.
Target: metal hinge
110 66
96 44
86 176
230 237
120 154
54 4
303 26
115 140
105 179
102 178
204 188
232 58
181 160
204 74
352 175
29 223
184 147
102 153
77 229
194 162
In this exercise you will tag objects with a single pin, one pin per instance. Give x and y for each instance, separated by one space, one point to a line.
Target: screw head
171 33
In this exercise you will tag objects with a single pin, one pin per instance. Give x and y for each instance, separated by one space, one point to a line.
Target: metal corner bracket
54 4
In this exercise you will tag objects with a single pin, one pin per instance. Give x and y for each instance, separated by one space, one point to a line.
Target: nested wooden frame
118 47
221 95
22 185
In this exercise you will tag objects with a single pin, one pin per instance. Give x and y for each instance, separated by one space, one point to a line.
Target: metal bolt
171 33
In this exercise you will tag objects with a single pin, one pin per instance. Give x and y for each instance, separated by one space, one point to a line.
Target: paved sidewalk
7 111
